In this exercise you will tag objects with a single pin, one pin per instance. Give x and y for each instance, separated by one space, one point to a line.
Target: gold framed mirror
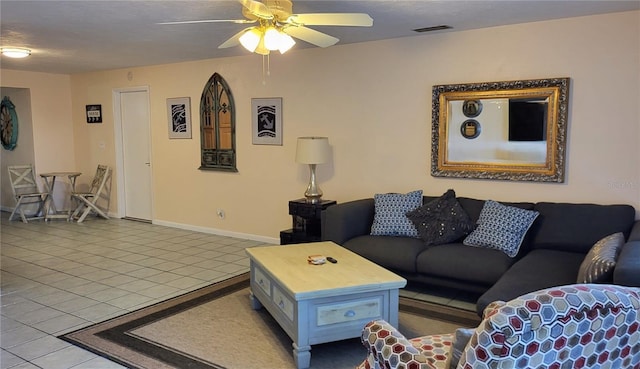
510 130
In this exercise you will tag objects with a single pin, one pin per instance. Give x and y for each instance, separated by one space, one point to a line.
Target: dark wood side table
306 221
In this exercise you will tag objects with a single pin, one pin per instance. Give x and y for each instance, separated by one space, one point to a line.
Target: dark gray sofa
551 253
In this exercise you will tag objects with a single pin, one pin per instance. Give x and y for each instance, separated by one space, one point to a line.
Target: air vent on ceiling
434 28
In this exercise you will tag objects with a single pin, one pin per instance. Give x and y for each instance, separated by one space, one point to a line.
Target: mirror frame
557 91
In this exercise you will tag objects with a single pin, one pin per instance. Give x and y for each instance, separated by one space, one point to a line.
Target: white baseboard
219 232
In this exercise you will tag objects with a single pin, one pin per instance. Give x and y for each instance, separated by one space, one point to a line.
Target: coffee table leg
255 303
302 356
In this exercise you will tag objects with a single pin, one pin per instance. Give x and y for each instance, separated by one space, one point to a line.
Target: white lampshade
251 39
312 150
272 38
286 43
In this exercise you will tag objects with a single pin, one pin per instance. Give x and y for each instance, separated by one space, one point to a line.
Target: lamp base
313 194
313 199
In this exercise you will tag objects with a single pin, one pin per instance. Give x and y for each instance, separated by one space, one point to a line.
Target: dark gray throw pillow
598 265
442 220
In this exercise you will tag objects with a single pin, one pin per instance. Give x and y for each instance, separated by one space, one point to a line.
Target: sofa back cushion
577 227
473 207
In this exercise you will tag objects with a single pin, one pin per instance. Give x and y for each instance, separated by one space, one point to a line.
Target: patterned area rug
215 328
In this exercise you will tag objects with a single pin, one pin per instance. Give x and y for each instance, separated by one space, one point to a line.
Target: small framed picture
179 113
472 108
94 113
266 115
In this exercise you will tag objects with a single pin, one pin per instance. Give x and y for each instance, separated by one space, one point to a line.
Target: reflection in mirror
217 126
500 130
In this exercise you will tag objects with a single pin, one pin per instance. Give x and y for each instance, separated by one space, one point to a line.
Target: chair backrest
23 180
575 326
103 173
101 186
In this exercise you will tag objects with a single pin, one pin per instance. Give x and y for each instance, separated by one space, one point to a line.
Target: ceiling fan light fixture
251 39
272 38
286 43
261 49
15 52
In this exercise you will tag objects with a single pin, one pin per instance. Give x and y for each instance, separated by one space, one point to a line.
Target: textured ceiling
81 36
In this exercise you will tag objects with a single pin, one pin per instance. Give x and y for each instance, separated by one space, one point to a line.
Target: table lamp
312 151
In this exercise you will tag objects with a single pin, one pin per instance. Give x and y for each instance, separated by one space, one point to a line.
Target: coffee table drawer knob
350 314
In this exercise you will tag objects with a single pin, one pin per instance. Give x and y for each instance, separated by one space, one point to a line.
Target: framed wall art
179 113
94 113
266 115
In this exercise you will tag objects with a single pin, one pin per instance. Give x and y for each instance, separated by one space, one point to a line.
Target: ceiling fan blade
233 40
238 21
257 8
332 19
311 36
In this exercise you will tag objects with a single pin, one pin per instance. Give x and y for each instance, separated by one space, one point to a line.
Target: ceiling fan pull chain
266 68
264 81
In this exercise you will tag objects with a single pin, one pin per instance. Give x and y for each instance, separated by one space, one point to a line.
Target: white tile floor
57 277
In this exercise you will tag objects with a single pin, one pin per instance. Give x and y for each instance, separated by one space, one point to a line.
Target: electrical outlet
220 213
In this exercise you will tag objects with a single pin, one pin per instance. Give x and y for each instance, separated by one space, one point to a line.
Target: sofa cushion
598 265
501 227
397 253
576 227
442 220
465 263
473 207
536 270
390 214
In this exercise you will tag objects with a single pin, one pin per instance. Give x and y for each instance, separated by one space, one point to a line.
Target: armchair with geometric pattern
575 326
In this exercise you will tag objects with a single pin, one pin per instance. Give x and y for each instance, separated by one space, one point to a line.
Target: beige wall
45 136
373 101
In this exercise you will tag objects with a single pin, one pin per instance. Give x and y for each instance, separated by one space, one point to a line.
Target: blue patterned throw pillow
390 209
501 227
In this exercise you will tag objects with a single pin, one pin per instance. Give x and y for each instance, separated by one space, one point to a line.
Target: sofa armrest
627 270
345 221
387 348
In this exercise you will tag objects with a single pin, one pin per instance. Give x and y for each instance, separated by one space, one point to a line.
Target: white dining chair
99 192
26 192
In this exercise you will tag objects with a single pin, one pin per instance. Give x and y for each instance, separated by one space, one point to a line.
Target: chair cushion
460 340
574 326
501 227
442 220
599 263
390 214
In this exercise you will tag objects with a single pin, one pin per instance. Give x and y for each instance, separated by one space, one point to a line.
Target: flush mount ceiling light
15 52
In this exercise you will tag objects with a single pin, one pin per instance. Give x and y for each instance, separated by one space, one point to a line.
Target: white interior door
136 154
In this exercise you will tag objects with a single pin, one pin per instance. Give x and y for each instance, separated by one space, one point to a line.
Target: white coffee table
321 303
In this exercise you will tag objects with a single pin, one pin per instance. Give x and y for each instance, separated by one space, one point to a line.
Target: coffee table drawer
283 302
349 311
262 280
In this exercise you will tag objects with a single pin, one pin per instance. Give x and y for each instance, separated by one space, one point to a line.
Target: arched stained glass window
217 126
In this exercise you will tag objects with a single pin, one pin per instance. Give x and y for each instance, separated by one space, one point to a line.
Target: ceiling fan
277 24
